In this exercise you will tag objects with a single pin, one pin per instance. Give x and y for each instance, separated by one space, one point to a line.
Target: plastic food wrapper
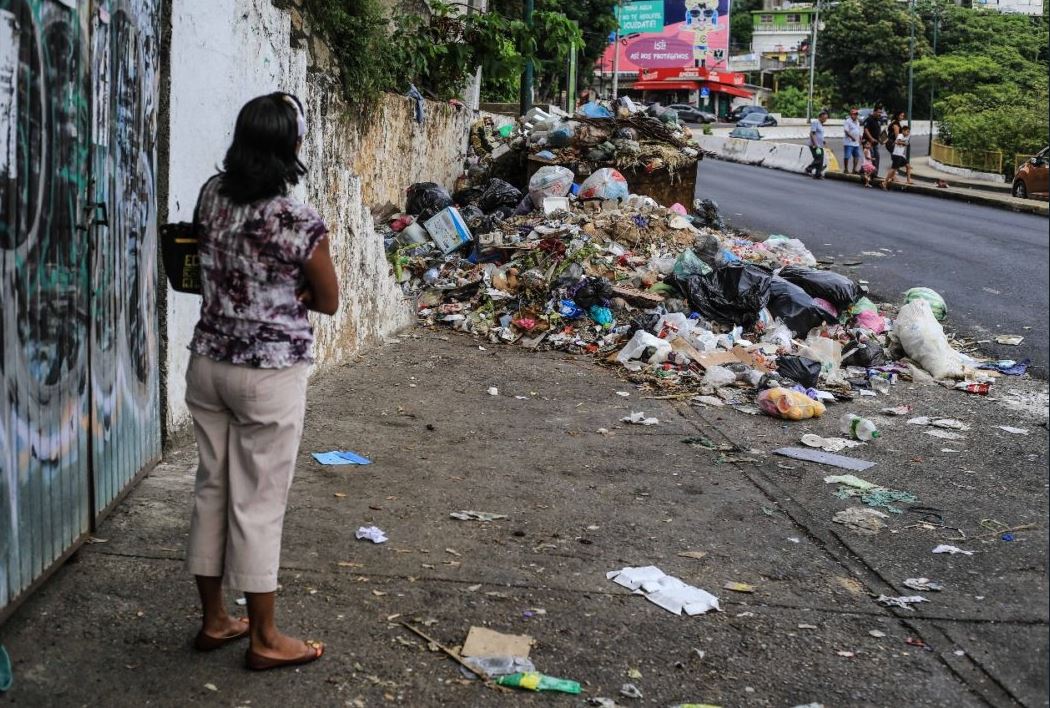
790 250
937 304
923 340
664 590
550 181
638 418
837 289
426 199
688 263
789 405
341 457
718 376
951 550
494 666
371 533
795 308
904 602
605 183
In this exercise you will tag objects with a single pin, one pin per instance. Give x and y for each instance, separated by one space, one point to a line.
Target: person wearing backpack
873 133
893 130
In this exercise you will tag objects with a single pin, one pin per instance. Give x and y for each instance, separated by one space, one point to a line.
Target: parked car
692 114
1032 180
757 120
745 133
740 111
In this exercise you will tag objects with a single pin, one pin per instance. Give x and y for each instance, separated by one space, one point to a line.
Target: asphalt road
989 264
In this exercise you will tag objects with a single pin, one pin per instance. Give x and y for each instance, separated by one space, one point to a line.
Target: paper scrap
341 457
922 584
904 602
828 444
640 419
493 391
477 516
861 520
850 481
486 642
738 587
1009 339
371 533
1014 431
664 590
896 410
824 458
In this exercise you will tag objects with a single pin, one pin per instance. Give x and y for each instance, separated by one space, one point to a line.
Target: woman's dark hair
262 160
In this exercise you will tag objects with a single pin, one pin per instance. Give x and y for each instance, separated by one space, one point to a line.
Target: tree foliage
741 25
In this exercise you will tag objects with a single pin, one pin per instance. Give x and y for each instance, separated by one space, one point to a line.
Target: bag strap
197 206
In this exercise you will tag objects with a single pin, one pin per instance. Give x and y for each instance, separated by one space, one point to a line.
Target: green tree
864 47
790 102
741 25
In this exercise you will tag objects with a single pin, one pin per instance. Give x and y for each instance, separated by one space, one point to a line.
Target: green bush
790 102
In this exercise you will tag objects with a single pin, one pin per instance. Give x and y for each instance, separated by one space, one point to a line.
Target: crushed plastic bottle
535 681
858 428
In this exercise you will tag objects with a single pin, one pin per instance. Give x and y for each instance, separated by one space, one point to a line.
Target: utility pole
911 56
812 62
936 26
616 63
527 77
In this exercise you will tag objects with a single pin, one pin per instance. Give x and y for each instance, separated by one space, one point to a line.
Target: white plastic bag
550 181
638 344
923 339
718 376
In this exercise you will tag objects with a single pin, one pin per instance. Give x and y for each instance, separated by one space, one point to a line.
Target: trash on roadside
858 428
828 444
922 584
1009 339
535 681
371 533
789 404
481 641
951 550
629 690
664 590
932 297
738 587
903 602
639 418
494 666
896 410
923 340
861 520
945 434
477 516
341 457
1008 367
493 391
871 494
946 423
824 458
1012 430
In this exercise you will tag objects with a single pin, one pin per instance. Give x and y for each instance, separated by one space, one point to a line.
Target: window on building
765 19
794 18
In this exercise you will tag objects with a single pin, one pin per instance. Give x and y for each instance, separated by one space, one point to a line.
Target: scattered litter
922 584
896 410
824 458
211 687
477 516
241 601
602 702
904 602
664 590
1008 367
870 494
947 423
481 641
535 681
861 520
623 394
1009 339
876 633
738 587
640 419
695 555
846 654
495 666
371 533
341 457
493 391
808 626
951 550
629 690
828 444
1013 431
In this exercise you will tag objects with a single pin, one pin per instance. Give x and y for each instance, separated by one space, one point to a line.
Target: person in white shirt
900 157
851 134
816 145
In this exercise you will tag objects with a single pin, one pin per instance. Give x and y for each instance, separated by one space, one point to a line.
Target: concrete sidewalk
113 626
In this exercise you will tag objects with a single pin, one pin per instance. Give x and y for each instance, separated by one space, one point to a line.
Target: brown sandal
258 662
206 642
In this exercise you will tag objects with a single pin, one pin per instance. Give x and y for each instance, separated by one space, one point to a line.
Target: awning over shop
665 85
727 89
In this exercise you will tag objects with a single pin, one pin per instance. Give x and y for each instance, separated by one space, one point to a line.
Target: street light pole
812 62
911 56
936 26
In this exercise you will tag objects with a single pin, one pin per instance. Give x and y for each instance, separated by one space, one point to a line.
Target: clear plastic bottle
859 428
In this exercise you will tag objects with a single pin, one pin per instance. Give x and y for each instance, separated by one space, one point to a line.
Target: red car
1032 180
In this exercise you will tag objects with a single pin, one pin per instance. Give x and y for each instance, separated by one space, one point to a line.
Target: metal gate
79 383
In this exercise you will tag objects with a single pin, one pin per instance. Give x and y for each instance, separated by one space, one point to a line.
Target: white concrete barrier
789 157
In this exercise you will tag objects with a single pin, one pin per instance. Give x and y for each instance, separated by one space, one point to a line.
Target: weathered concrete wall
224 52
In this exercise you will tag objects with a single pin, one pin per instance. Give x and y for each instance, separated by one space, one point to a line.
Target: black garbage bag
472 215
790 303
469 195
569 277
644 320
594 291
799 369
426 199
499 194
732 293
837 289
525 206
865 354
707 210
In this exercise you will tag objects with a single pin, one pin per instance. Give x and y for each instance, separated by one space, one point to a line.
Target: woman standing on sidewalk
264 262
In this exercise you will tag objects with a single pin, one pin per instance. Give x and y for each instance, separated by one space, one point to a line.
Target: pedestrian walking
265 261
893 130
873 133
867 168
816 145
900 159
851 137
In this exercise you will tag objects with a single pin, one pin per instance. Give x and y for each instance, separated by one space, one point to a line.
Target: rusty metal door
79 412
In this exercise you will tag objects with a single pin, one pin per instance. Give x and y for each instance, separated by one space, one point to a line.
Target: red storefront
723 86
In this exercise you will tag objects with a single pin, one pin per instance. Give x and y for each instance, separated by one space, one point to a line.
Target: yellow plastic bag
789 405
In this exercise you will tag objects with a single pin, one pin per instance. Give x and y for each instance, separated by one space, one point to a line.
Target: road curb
1038 208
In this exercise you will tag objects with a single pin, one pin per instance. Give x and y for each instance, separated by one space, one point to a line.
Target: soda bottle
858 428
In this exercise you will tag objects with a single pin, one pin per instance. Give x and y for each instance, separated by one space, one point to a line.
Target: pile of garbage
678 303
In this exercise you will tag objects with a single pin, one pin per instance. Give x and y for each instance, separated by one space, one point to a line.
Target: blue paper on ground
1009 367
341 457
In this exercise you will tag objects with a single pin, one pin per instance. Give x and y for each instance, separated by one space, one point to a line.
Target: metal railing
979 160
794 27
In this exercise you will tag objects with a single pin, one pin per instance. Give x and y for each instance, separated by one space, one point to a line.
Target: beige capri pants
248 423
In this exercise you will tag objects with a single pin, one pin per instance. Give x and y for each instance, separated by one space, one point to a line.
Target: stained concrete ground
112 627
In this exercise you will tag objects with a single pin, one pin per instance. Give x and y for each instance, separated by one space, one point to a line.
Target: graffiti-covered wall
79 408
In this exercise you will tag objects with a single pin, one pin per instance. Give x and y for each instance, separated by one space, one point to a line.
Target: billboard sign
641 17
695 33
